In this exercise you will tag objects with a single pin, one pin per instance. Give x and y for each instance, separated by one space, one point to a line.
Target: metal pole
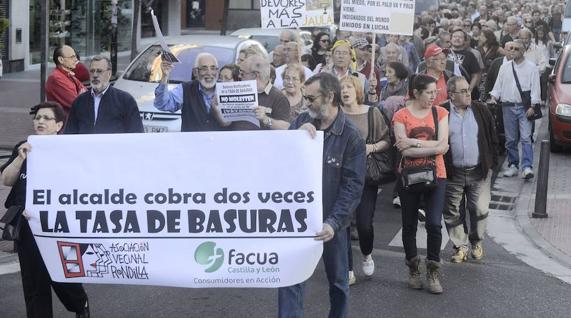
135 28
224 18
540 210
113 50
44 45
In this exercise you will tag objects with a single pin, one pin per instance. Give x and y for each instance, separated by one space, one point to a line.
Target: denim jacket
343 169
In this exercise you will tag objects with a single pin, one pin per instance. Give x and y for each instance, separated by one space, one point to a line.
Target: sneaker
396 202
527 173
460 255
477 251
511 171
421 215
368 265
352 278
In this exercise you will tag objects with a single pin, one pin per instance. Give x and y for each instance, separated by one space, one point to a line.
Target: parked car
270 38
142 76
559 101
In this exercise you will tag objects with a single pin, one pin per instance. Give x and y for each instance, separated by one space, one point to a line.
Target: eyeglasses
70 57
46 118
463 92
513 48
528 21
310 98
97 71
340 53
283 41
291 79
206 68
242 73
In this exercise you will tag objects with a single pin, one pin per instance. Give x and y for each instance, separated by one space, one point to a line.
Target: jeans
434 204
516 124
476 189
365 214
290 299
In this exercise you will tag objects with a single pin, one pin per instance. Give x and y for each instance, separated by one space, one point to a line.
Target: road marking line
9 268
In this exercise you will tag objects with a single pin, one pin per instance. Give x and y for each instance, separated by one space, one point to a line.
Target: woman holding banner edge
48 120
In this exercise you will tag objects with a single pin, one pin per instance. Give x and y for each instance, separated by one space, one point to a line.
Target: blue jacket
343 169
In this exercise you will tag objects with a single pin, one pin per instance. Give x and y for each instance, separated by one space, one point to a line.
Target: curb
524 208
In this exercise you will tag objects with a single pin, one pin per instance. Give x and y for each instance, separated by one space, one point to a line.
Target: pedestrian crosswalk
420 237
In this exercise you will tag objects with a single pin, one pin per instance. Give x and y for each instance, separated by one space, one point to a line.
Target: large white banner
277 14
378 16
224 209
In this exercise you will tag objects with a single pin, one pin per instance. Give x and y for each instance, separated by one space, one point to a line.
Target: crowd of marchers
428 107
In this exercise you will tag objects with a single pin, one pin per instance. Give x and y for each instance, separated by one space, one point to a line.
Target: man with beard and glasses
194 98
343 181
103 109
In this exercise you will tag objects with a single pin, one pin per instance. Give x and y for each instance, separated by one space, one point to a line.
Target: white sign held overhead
276 14
189 210
378 16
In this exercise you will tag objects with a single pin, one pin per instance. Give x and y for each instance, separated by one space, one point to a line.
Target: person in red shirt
435 58
62 85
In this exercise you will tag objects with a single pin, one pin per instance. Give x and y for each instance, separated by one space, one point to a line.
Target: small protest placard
277 14
237 101
379 16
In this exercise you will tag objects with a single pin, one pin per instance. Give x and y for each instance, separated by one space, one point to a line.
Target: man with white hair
510 31
194 98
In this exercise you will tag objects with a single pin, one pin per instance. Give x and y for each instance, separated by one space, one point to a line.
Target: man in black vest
194 97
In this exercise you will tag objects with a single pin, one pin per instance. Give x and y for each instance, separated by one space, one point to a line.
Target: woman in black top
48 120
321 45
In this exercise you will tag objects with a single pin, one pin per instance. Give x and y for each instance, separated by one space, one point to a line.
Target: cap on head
433 50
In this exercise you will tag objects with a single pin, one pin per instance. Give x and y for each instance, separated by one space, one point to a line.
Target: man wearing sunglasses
343 181
515 113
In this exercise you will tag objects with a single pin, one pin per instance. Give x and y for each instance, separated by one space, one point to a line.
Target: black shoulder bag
13 222
421 178
380 165
526 99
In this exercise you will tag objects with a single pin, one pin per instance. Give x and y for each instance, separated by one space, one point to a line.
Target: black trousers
37 282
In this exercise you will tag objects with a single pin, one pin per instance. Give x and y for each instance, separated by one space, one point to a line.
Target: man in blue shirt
194 97
469 162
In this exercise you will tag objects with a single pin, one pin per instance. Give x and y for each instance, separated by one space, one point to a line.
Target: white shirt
505 87
96 101
537 56
279 82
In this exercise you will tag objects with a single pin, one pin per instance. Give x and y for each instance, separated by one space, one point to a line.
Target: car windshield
147 67
566 76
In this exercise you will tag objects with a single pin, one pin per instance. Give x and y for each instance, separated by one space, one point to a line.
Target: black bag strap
517 82
370 128
435 118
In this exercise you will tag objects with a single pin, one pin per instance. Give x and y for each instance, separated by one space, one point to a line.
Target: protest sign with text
225 209
378 16
237 101
277 14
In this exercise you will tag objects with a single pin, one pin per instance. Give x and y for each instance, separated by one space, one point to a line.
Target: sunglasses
310 98
325 41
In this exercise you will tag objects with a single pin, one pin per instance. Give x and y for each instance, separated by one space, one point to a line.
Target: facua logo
207 254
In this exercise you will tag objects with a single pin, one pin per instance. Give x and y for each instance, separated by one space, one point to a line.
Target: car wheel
553 146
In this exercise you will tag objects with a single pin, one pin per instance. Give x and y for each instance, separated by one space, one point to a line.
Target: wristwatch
418 144
269 122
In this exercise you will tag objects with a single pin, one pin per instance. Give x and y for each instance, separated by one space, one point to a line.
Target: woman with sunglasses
353 99
48 120
321 45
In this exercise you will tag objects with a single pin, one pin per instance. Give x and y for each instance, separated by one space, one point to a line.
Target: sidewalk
541 243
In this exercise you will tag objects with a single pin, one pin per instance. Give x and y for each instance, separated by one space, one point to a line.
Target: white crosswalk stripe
420 237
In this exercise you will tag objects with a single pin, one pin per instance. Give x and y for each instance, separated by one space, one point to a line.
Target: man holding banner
343 180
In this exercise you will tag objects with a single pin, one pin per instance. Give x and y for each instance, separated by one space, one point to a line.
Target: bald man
62 85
